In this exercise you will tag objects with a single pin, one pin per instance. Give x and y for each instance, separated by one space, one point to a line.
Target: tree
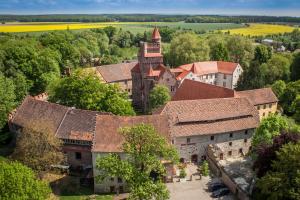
289 96
19 182
278 88
144 149
219 53
268 129
85 91
296 106
187 48
277 68
252 78
262 53
295 68
283 181
159 96
38 147
7 98
267 153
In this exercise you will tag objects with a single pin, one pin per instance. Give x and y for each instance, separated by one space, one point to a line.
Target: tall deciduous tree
84 90
38 147
7 98
295 68
144 149
278 88
283 181
159 96
19 182
262 53
219 53
289 96
187 48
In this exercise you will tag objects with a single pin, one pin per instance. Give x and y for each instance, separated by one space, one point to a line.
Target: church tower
150 59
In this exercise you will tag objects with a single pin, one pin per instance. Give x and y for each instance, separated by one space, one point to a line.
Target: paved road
192 190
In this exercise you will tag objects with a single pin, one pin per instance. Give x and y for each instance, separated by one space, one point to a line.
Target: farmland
135 27
261 29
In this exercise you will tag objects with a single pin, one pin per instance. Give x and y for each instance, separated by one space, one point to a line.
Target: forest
147 18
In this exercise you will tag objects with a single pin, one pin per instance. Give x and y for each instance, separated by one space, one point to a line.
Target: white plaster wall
221 80
236 75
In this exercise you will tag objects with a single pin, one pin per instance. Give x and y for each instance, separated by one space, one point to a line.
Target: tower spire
156 34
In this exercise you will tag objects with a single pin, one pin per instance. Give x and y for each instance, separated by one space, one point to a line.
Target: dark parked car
216 186
221 192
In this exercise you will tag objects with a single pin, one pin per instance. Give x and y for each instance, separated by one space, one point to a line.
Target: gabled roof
108 139
192 90
210 116
258 96
156 34
116 72
209 67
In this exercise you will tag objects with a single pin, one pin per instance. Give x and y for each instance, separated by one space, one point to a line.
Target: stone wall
197 145
86 155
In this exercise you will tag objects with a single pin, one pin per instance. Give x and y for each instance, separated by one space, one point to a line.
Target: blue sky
234 7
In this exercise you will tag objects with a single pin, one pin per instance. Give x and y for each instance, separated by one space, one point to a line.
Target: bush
182 173
205 169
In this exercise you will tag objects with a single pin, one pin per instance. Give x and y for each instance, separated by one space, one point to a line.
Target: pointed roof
156 34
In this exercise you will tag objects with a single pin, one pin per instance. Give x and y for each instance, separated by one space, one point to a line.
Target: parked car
216 186
221 192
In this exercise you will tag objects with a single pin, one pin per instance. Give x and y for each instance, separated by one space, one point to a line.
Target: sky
222 7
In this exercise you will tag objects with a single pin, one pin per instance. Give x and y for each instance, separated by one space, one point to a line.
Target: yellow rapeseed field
261 29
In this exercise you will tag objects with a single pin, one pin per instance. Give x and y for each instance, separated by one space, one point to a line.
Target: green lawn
84 194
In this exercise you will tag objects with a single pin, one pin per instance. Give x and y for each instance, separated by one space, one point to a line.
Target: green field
135 27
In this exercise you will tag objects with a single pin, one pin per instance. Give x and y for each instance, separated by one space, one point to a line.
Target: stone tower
150 60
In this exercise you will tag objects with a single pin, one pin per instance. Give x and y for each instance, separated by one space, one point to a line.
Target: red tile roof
192 90
156 34
108 139
258 96
210 116
116 72
136 69
209 67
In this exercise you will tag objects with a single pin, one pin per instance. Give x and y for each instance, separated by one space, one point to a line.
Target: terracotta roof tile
192 90
210 116
209 67
108 139
116 72
258 96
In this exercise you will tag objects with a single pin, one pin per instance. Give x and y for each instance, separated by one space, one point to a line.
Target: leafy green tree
7 98
295 68
187 48
277 68
252 78
296 105
278 88
288 97
262 53
283 181
19 182
159 96
85 91
38 147
268 129
240 49
219 53
144 149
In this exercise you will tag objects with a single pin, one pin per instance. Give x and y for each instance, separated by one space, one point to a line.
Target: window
265 106
258 107
120 180
172 88
270 105
172 141
241 150
231 135
225 77
245 140
121 189
229 153
230 143
264 114
188 140
224 84
112 189
78 155
221 156
112 179
168 79
246 132
212 137
215 82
